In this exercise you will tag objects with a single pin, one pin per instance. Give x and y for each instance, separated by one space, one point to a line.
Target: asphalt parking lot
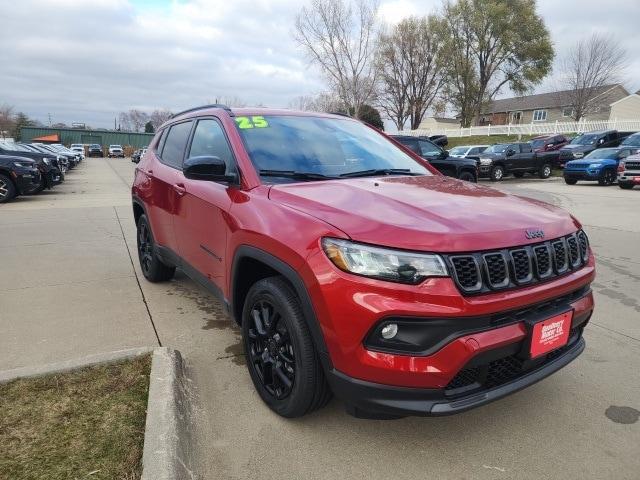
70 285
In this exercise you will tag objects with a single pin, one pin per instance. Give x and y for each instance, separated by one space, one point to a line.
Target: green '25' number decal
257 121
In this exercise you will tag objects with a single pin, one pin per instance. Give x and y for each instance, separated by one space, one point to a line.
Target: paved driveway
67 287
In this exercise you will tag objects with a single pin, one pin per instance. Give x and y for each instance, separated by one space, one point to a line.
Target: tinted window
428 149
525 148
410 144
325 146
209 139
174 145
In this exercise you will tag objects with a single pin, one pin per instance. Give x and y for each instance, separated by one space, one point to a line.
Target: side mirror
444 154
510 152
601 141
550 145
207 167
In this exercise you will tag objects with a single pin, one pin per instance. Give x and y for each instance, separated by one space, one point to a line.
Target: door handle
179 188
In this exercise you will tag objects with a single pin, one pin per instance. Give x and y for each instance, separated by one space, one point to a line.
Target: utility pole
49 119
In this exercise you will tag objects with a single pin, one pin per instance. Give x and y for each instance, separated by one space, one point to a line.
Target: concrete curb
167 453
61 367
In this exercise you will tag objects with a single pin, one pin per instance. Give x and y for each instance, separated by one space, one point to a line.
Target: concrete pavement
84 297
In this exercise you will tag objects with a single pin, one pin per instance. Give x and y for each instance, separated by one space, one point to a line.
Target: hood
428 213
9 159
578 148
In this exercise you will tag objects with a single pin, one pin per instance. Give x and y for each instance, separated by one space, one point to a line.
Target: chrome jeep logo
534 233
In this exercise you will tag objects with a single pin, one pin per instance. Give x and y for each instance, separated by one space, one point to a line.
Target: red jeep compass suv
355 268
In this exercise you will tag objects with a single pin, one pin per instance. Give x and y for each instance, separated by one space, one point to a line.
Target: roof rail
213 105
342 114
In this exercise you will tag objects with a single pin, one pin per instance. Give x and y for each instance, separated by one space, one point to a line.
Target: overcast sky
87 60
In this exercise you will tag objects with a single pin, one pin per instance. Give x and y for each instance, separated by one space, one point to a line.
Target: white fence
532 128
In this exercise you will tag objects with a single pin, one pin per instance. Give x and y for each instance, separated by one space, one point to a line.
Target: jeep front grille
478 272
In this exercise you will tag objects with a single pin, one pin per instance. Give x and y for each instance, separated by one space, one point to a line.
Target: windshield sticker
257 121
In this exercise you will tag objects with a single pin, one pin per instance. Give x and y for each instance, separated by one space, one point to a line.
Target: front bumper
591 175
366 399
27 180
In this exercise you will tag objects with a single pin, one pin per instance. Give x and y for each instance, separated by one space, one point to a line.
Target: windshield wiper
379 171
295 175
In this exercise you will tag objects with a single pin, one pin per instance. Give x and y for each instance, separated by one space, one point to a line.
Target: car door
201 225
511 161
434 154
166 176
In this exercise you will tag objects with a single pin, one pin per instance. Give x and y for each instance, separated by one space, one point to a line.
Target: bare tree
322 102
138 119
339 36
593 63
7 121
158 117
229 101
410 69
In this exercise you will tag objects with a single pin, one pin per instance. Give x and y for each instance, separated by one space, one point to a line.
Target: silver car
629 172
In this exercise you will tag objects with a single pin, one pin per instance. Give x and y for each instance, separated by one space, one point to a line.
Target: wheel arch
251 264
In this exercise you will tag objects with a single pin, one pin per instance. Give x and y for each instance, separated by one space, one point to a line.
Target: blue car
600 166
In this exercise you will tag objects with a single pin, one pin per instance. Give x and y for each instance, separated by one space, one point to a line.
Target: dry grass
87 424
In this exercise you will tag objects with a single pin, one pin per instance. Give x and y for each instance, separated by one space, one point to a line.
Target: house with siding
438 123
627 108
551 107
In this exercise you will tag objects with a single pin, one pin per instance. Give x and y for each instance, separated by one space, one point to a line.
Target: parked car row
545 152
29 168
138 154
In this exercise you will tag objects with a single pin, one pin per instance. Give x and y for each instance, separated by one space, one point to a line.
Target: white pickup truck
116 151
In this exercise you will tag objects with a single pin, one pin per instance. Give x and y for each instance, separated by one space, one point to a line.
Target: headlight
382 263
23 164
46 160
594 165
486 161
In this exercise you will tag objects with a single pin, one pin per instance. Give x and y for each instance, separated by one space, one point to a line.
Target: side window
411 145
474 151
428 149
209 139
526 148
174 145
161 139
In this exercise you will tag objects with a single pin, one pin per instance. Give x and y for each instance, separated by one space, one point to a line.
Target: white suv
116 151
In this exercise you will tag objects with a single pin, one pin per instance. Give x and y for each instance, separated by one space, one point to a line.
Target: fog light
389 331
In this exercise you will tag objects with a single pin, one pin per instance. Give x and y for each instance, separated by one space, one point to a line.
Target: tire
607 178
152 267
468 177
625 186
570 181
7 189
497 173
545 171
518 174
275 333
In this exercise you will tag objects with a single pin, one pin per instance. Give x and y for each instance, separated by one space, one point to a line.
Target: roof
561 98
626 98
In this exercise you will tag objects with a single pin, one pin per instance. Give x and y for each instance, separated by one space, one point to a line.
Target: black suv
586 143
47 163
512 158
95 150
18 175
462 168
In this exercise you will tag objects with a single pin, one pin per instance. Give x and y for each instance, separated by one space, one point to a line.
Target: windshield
319 146
458 151
584 140
632 140
499 148
12 147
603 153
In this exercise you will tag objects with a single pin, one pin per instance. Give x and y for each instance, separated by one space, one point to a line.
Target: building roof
542 100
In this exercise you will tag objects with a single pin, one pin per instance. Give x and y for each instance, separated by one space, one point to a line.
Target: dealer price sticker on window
256 121
550 334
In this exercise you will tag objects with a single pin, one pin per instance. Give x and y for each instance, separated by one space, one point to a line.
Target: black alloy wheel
7 189
145 248
152 267
608 178
270 350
